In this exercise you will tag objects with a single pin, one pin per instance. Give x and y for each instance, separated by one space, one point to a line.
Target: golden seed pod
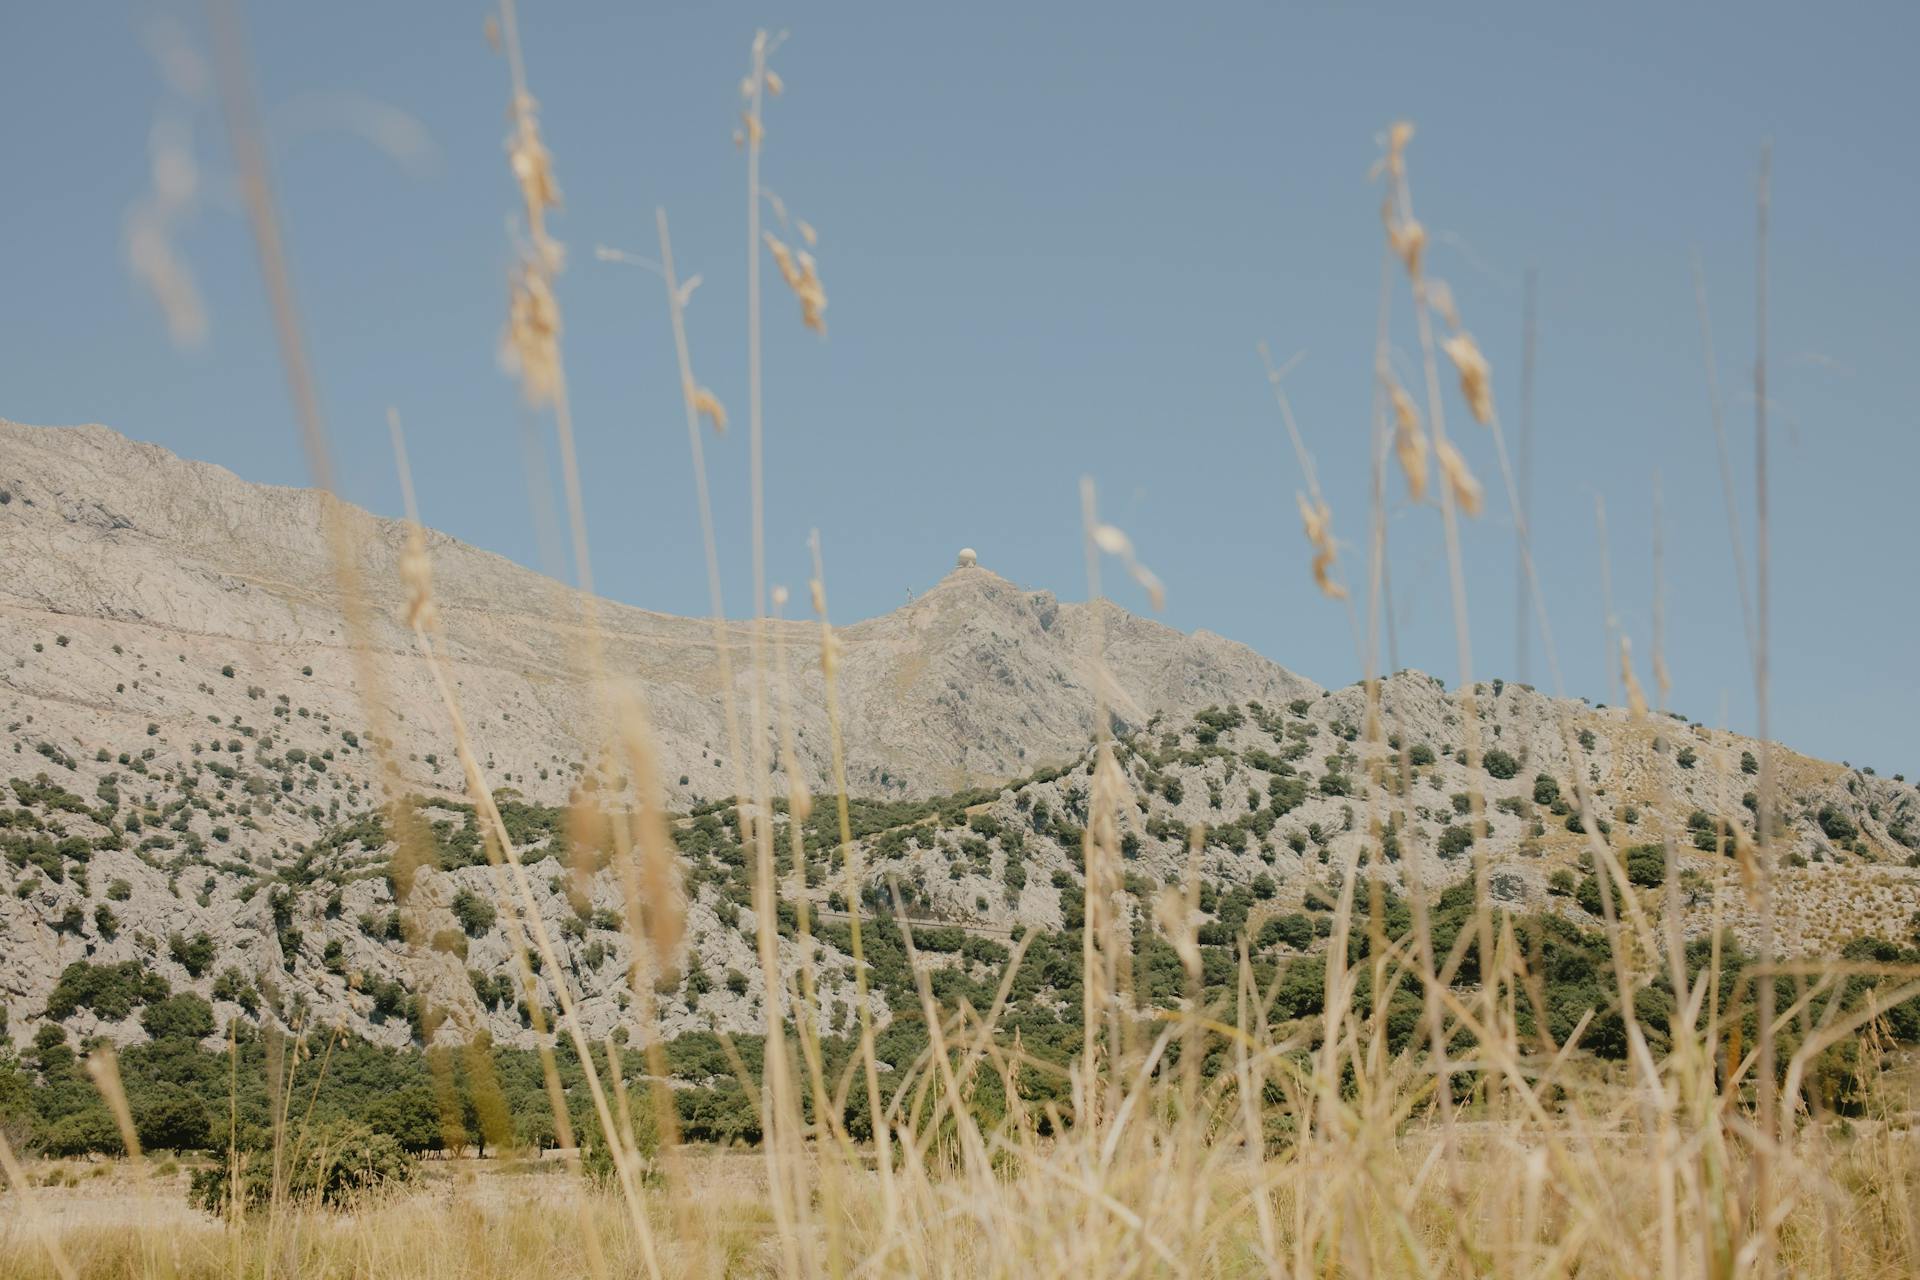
1460 481
1409 442
416 574
1636 699
1317 519
803 277
708 406
532 346
1476 379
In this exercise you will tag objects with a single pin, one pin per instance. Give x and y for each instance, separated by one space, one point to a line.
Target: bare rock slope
114 543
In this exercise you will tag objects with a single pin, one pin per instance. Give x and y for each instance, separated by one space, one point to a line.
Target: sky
1051 237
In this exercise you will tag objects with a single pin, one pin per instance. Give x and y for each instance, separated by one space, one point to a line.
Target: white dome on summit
967 559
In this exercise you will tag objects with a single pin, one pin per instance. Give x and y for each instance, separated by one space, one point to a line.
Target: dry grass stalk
1110 539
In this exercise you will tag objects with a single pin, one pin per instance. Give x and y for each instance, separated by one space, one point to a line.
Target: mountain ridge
193 792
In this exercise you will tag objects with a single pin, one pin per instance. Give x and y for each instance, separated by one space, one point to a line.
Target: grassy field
1491 1199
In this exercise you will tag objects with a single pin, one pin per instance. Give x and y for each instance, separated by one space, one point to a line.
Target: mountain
192 792
117 543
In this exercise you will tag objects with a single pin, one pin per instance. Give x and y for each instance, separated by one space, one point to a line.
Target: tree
1748 764
1455 840
410 1117
1499 764
1295 929
16 1098
1545 790
170 1116
88 1131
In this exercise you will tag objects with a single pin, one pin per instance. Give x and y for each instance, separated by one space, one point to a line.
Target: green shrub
1500 765
1647 864
1578 826
193 954
1588 895
475 914
89 1130
110 990
1836 823
340 1164
234 986
184 1016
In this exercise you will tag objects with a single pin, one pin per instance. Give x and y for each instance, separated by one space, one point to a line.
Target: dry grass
1504 1197
1309 1149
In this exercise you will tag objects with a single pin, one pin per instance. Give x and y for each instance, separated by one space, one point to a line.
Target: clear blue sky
1051 236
